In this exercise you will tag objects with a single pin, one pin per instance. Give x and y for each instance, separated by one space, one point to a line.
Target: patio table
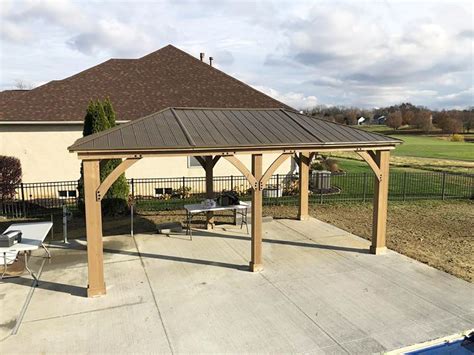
33 236
241 209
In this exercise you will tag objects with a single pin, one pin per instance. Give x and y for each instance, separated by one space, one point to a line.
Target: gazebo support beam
303 165
208 162
379 226
256 263
95 256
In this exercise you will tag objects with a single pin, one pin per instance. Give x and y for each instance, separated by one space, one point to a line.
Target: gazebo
210 134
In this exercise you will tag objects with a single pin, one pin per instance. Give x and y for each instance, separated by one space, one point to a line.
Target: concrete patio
321 292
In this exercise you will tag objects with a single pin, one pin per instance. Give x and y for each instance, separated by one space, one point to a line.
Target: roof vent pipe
201 55
210 61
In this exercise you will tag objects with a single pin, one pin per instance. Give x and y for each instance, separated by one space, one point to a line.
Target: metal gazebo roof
195 129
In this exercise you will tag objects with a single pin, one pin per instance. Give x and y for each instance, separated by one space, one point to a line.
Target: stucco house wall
42 150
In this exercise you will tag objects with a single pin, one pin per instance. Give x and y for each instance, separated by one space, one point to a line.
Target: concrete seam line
153 295
85 312
27 301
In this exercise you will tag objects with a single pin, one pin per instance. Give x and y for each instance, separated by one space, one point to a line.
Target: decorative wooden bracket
243 169
254 183
204 161
370 158
297 158
271 169
110 179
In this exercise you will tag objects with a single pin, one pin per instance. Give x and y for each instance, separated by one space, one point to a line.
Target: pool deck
320 292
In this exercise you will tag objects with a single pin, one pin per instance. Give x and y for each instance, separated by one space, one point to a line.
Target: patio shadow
48 285
285 242
178 259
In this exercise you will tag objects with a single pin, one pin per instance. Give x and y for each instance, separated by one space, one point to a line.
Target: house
38 125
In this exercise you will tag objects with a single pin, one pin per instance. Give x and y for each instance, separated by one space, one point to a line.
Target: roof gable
167 77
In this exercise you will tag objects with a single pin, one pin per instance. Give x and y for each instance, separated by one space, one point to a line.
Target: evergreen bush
100 116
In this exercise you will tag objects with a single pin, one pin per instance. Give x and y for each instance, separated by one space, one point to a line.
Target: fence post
184 186
405 186
232 182
443 189
23 204
365 187
322 183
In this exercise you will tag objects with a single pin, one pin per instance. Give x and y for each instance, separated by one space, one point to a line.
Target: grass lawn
433 147
360 166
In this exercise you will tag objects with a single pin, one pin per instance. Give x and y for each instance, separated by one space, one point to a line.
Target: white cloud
344 52
293 99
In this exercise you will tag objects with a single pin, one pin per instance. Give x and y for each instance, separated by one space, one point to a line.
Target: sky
304 53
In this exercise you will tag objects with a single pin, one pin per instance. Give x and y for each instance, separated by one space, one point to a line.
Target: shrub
457 138
114 206
10 176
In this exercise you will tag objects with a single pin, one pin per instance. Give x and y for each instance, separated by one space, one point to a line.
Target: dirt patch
440 234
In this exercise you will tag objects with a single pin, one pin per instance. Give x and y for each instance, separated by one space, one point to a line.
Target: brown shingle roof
137 87
194 129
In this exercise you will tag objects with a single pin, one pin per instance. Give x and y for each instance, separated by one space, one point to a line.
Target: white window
160 191
193 163
67 193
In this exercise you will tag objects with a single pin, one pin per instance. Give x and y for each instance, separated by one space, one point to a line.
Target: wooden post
379 226
209 167
95 257
303 186
256 253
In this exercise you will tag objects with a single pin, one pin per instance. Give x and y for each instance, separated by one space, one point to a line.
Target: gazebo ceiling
211 128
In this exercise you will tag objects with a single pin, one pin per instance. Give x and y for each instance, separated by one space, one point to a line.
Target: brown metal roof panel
200 133
227 128
239 130
171 130
115 139
296 128
315 131
332 133
282 131
259 128
153 132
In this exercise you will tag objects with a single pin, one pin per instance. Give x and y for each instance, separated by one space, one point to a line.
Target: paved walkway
320 292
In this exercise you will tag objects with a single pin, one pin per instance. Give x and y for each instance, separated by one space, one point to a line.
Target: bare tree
394 120
423 120
408 117
23 85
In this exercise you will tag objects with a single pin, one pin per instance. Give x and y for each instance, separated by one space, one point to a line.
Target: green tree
99 117
119 189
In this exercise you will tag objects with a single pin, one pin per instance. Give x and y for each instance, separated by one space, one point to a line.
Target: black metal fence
155 194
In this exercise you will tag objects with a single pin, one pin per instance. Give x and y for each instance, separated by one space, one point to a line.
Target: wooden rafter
110 179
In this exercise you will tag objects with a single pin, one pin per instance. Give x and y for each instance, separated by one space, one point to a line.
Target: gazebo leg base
303 217
96 292
255 267
378 250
